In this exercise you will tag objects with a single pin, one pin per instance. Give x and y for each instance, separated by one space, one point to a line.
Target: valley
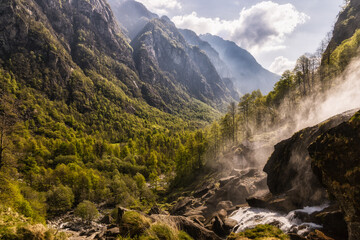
116 124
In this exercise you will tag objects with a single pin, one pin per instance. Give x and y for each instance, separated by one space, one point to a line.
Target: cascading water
248 217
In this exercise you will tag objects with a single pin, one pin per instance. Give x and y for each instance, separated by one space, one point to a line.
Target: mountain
343 44
132 15
247 73
173 68
193 39
67 50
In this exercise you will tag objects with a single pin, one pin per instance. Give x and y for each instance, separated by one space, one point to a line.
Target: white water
248 217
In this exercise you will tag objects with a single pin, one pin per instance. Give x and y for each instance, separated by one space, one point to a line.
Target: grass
260 232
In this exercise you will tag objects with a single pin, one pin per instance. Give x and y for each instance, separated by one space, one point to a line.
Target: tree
7 120
60 199
86 210
302 69
232 113
200 146
215 136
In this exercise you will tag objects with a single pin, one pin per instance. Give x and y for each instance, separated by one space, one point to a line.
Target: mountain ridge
247 73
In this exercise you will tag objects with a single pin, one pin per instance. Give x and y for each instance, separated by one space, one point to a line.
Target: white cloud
262 27
281 64
161 7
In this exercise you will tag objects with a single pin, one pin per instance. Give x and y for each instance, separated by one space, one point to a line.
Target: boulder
289 167
318 235
181 206
332 220
335 160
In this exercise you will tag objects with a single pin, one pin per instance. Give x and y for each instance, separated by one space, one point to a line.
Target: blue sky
276 32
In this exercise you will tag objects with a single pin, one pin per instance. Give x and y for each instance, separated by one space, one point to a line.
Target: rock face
70 50
173 68
345 27
289 167
248 75
336 161
50 44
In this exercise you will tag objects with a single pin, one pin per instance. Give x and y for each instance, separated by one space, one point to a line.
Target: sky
275 32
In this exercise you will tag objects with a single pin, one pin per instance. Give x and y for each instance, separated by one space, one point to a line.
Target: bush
184 236
60 199
133 224
163 232
87 211
260 232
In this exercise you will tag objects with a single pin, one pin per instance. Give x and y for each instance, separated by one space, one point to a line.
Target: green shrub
163 232
60 199
87 211
184 236
260 232
133 224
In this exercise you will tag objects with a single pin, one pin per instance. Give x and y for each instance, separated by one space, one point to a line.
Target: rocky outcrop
289 167
345 27
212 204
336 161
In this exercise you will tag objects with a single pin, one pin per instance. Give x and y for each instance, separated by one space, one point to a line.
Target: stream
248 217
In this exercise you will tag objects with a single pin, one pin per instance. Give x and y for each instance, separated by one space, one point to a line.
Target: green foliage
184 236
163 232
86 210
59 199
136 226
133 224
260 232
341 56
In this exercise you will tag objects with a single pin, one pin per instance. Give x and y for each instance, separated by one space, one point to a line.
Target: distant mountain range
236 66
246 72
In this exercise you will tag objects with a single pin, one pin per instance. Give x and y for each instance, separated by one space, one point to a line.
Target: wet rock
222 214
332 220
318 235
294 236
230 223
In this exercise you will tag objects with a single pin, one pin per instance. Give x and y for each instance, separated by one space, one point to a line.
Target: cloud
262 27
281 64
161 7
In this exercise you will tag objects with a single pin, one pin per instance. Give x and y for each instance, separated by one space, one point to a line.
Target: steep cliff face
289 167
132 16
346 25
214 56
248 75
66 48
336 161
168 63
